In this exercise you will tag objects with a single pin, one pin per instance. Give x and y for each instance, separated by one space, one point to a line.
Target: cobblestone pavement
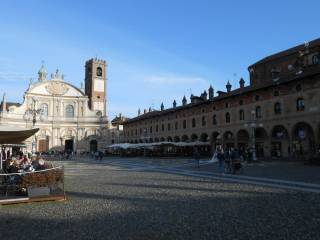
140 199
292 171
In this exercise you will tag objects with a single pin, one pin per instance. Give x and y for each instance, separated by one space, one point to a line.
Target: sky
157 51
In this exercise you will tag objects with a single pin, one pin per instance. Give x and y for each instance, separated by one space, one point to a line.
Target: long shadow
198 189
280 216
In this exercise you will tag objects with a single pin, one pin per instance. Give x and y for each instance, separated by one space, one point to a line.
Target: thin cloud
172 80
14 76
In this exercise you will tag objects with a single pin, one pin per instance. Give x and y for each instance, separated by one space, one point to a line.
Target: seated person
41 165
38 164
25 162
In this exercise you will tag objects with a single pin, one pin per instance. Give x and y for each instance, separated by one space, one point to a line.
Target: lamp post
144 139
31 114
253 124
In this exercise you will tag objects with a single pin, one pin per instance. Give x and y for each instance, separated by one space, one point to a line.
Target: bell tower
96 84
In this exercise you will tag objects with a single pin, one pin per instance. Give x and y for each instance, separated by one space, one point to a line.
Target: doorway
43 145
68 145
93 145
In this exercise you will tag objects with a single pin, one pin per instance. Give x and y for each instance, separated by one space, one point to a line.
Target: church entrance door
93 145
43 145
68 145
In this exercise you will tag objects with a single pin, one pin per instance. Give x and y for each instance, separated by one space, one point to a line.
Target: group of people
229 159
22 163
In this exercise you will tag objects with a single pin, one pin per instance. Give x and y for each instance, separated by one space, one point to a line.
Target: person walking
227 160
220 156
196 157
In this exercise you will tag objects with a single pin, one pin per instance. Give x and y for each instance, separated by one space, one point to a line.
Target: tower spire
42 74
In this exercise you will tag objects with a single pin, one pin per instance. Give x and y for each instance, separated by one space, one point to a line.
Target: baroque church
69 118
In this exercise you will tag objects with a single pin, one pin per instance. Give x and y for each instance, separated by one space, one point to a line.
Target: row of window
257 114
69 111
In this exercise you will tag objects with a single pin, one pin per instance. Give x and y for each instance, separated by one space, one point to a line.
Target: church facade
69 118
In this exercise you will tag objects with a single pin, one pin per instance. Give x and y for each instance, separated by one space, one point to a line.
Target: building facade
278 112
69 118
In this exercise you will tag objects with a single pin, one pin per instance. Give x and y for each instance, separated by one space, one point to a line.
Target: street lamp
145 139
32 113
253 124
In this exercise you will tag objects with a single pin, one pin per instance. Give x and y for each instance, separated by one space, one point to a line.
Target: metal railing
42 183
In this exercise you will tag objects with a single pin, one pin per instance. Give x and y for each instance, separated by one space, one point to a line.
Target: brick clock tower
95 84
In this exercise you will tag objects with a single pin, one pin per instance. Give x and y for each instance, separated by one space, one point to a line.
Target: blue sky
157 51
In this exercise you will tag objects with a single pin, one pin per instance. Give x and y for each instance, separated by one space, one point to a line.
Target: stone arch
68 132
91 132
261 133
185 138
43 133
243 139
228 139
280 145
194 137
169 139
204 137
303 139
261 141
93 145
156 139
176 139
162 139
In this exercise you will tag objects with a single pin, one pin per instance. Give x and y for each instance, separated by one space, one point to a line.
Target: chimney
241 82
174 104
211 92
162 107
191 98
144 111
139 112
204 95
228 86
184 101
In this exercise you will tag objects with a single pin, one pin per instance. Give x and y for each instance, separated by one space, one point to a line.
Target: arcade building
278 112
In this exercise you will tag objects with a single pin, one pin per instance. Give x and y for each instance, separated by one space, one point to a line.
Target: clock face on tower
98 85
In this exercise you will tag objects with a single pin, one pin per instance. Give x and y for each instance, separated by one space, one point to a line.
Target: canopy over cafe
13 138
40 181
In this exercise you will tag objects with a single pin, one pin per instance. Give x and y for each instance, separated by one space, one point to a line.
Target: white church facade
69 118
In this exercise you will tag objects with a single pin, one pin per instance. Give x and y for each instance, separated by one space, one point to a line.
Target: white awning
14 135
155 144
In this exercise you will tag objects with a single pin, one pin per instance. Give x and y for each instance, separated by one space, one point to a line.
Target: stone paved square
134 199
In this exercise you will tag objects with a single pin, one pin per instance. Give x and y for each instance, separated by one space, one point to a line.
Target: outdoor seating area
160 149
25 177
29 179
